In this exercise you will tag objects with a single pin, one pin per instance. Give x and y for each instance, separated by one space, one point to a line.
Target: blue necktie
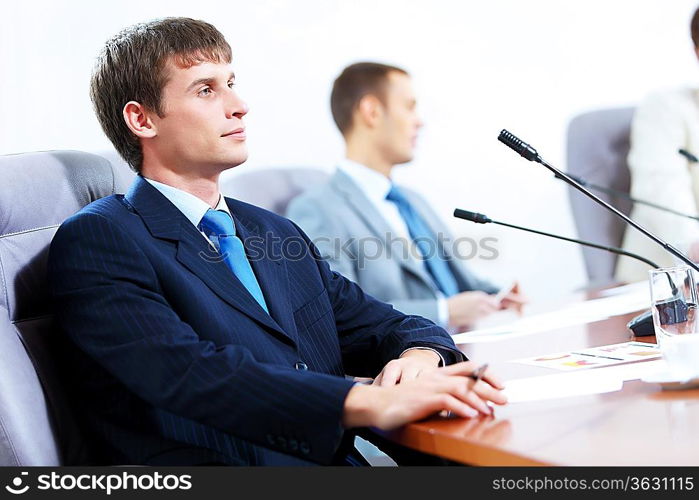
426 243
219 227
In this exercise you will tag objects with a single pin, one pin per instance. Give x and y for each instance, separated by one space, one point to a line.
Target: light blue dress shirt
191 207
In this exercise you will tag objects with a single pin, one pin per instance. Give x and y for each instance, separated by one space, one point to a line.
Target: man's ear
370 110
138 120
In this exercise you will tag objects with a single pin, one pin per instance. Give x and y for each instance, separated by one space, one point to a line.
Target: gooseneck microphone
519 146
626 196
690 157
484 219
528 152
620 194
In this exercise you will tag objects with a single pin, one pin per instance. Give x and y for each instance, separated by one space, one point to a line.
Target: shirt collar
192 207
374 185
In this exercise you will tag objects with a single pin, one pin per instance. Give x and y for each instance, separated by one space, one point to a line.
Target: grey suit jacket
358 243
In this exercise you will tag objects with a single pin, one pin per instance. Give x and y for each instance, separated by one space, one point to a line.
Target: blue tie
219 227
426 243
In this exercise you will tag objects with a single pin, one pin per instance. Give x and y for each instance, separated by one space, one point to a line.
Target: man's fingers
489 305
409 373
486 389
493 380
473 400
462 368
458 407
414 399
489 393
466 368
457 387
390 375
515 298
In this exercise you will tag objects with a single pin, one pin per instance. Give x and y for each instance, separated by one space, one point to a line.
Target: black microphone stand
528 152
482 219
621 194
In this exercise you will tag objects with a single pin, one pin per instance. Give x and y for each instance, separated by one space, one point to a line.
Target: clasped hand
414 387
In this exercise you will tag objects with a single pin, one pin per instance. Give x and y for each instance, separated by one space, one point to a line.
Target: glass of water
673 293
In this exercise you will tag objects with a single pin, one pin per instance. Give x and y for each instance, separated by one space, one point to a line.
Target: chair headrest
272 188
43 189
38 191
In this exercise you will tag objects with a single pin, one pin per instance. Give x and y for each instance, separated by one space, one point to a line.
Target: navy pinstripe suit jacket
173 362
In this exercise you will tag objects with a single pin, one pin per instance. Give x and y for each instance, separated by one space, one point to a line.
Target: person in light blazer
383 236
665 122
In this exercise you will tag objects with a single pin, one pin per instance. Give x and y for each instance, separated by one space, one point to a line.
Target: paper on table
574 314
562 385
595 357
568 361
558 386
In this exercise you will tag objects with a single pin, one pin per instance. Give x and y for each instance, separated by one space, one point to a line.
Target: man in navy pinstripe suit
181 354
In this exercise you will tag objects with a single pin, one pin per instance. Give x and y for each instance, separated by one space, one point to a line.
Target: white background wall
525 65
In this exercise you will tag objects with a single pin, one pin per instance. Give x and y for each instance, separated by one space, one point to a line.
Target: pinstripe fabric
174 362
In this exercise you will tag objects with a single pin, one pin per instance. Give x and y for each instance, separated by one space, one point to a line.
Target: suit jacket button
300 365
305 449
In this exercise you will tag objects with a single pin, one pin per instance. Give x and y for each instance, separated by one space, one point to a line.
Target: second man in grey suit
384 237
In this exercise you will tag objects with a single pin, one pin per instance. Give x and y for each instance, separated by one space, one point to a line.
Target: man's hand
466 308
410 364
513 299
448 388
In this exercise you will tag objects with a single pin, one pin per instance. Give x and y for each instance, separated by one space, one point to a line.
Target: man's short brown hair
132 67
355 82
694 28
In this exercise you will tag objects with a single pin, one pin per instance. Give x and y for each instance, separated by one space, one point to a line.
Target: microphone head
690 157
472 216
522 148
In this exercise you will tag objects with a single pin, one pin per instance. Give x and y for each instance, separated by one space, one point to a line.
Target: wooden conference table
639 425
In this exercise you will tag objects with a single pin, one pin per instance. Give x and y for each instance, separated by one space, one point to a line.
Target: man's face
400 124
201 129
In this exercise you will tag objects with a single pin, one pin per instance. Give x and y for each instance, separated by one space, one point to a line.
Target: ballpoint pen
476 376
478 373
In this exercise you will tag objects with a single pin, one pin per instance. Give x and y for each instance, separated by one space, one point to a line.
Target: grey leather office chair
272 188
38 191
597 147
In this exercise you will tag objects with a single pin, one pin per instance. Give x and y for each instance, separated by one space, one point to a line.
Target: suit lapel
266 259
165 221
365 209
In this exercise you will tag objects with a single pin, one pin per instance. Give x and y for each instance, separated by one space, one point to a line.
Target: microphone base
642 325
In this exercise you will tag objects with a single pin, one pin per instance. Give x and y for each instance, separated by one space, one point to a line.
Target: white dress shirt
376 187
